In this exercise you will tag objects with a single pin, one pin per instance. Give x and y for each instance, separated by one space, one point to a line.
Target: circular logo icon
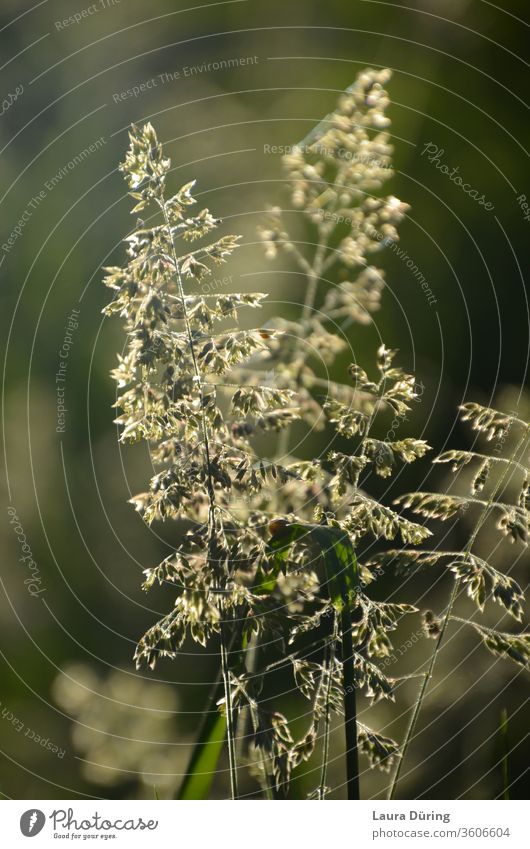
31 822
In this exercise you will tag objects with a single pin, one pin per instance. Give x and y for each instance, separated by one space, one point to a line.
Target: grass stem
448 613
224 639
230 731
503 731
350 707
329 667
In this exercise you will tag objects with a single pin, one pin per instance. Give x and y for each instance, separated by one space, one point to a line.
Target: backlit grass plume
336 220
177 392
274 562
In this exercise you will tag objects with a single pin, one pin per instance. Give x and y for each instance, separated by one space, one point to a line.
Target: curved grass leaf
205 757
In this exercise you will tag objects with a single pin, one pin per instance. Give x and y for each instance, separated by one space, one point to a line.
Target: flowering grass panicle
274 563
334 178
177 392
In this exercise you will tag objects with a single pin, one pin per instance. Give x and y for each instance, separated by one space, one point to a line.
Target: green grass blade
205 757
211 738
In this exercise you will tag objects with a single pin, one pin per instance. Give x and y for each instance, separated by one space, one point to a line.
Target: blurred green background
460 84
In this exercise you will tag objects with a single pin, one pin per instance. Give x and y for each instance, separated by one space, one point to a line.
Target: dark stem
350 707
505 752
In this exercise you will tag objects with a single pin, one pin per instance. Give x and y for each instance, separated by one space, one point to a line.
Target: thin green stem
329 667
224 640
313 275
244 722
478 456
481 628
350 707
225 667
313 272
448 615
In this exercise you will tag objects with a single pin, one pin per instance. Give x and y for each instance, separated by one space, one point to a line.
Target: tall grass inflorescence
175 390
335 177
275 560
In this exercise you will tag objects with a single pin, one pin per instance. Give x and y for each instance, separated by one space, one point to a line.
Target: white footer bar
266 825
